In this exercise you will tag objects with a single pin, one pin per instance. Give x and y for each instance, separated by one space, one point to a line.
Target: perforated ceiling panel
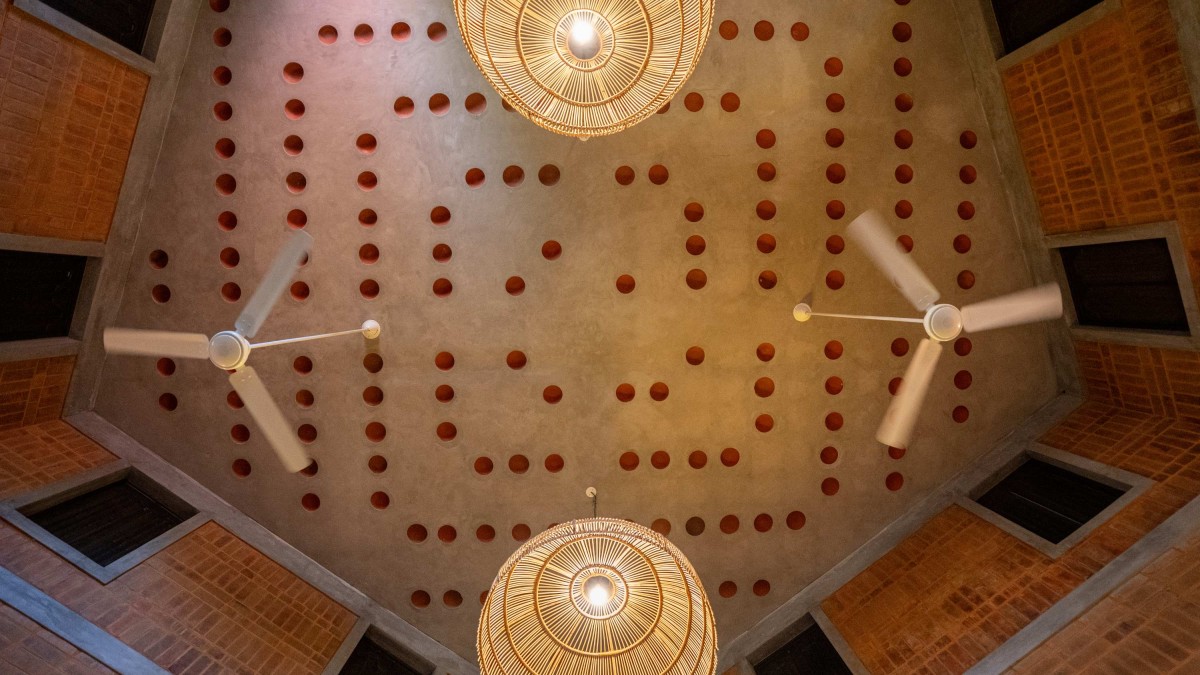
559 314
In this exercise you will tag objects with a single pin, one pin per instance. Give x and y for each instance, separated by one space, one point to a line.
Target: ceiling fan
942 322
229 350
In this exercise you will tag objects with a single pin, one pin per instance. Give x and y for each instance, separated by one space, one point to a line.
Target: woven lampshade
585 67
541 619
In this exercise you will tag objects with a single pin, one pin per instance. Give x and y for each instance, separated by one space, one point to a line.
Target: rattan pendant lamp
598 596
585 67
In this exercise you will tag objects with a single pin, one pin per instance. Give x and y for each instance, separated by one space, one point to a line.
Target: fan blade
897 426
269 419
273 284
155 343
1033 304
870 232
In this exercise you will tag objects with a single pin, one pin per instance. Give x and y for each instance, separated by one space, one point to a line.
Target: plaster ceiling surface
764 483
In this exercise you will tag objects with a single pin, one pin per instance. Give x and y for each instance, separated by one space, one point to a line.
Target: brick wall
1151 624
33 391
67 118
1157 381
40 454
1108 129
26 647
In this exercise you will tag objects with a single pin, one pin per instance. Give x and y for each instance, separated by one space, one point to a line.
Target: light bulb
598 590
584 41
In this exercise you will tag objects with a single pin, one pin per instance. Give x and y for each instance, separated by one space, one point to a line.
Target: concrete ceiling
577 331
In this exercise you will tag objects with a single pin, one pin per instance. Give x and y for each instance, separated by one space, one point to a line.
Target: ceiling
414 90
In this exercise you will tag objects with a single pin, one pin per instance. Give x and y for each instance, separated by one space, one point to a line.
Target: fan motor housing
943 322
228 350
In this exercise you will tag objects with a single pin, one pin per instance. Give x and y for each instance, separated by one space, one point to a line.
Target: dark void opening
122 21
38 292
109 522
1127 284
1047 500
370 658
809 653
1023 21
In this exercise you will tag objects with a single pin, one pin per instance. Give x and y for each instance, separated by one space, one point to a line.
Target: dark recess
1128 284
122 21
1048 500
1023 21
809 653
38 292
369 658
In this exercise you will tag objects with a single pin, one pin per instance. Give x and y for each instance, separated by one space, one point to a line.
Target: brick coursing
40 454
33 391
26 647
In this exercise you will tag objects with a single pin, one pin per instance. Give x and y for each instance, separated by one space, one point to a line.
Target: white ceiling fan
229 350
942 322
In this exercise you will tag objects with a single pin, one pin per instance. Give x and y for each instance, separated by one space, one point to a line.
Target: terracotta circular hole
766 172
904 209
439 104
447 431
165 367
549 175
305 398
375 432
694 355
834 138
230 257
231 292
694 526
966 210
833 350
730 524
962 243
894 481
730 102
158 259
518 464
764 387
728 30
161 294
963 379
484 466
474 177
660 459
168 402
310 502
241 468
368 218
966 279
363 34
418 534
903 67
369 289
367 181
658 174
766 209
727 589
327 34
293 72
629 461
829 455
904 102
554 463
372 396
366 143
484 533
240 433
894 385
218 5
475 104
373 362
521 532
835 279
765 352
830 486
222 76
296 182
899 346
905 243
896 453
293 145
765 138
835 244
800 31
902 32
226 185
625 284
761 587
833 66
401 31
968 174
763 30
293 109
225 148
835 173
307 433
404 107
730 456
834 421
444 393
835 209
302 365
904 174
693 212
696 279
227 221
795 520
766 243
968 139
764 423
380 500
624 175
763 522
440 215
310 470
960 414
444 361
698 459
835 103
447 533
516 360
903 139
834 385
552 394
420 599
442 253
368 254
514 285
694 102
659 391
436 31
222 111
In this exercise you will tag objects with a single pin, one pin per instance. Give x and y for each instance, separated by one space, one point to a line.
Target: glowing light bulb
584 41
598 590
